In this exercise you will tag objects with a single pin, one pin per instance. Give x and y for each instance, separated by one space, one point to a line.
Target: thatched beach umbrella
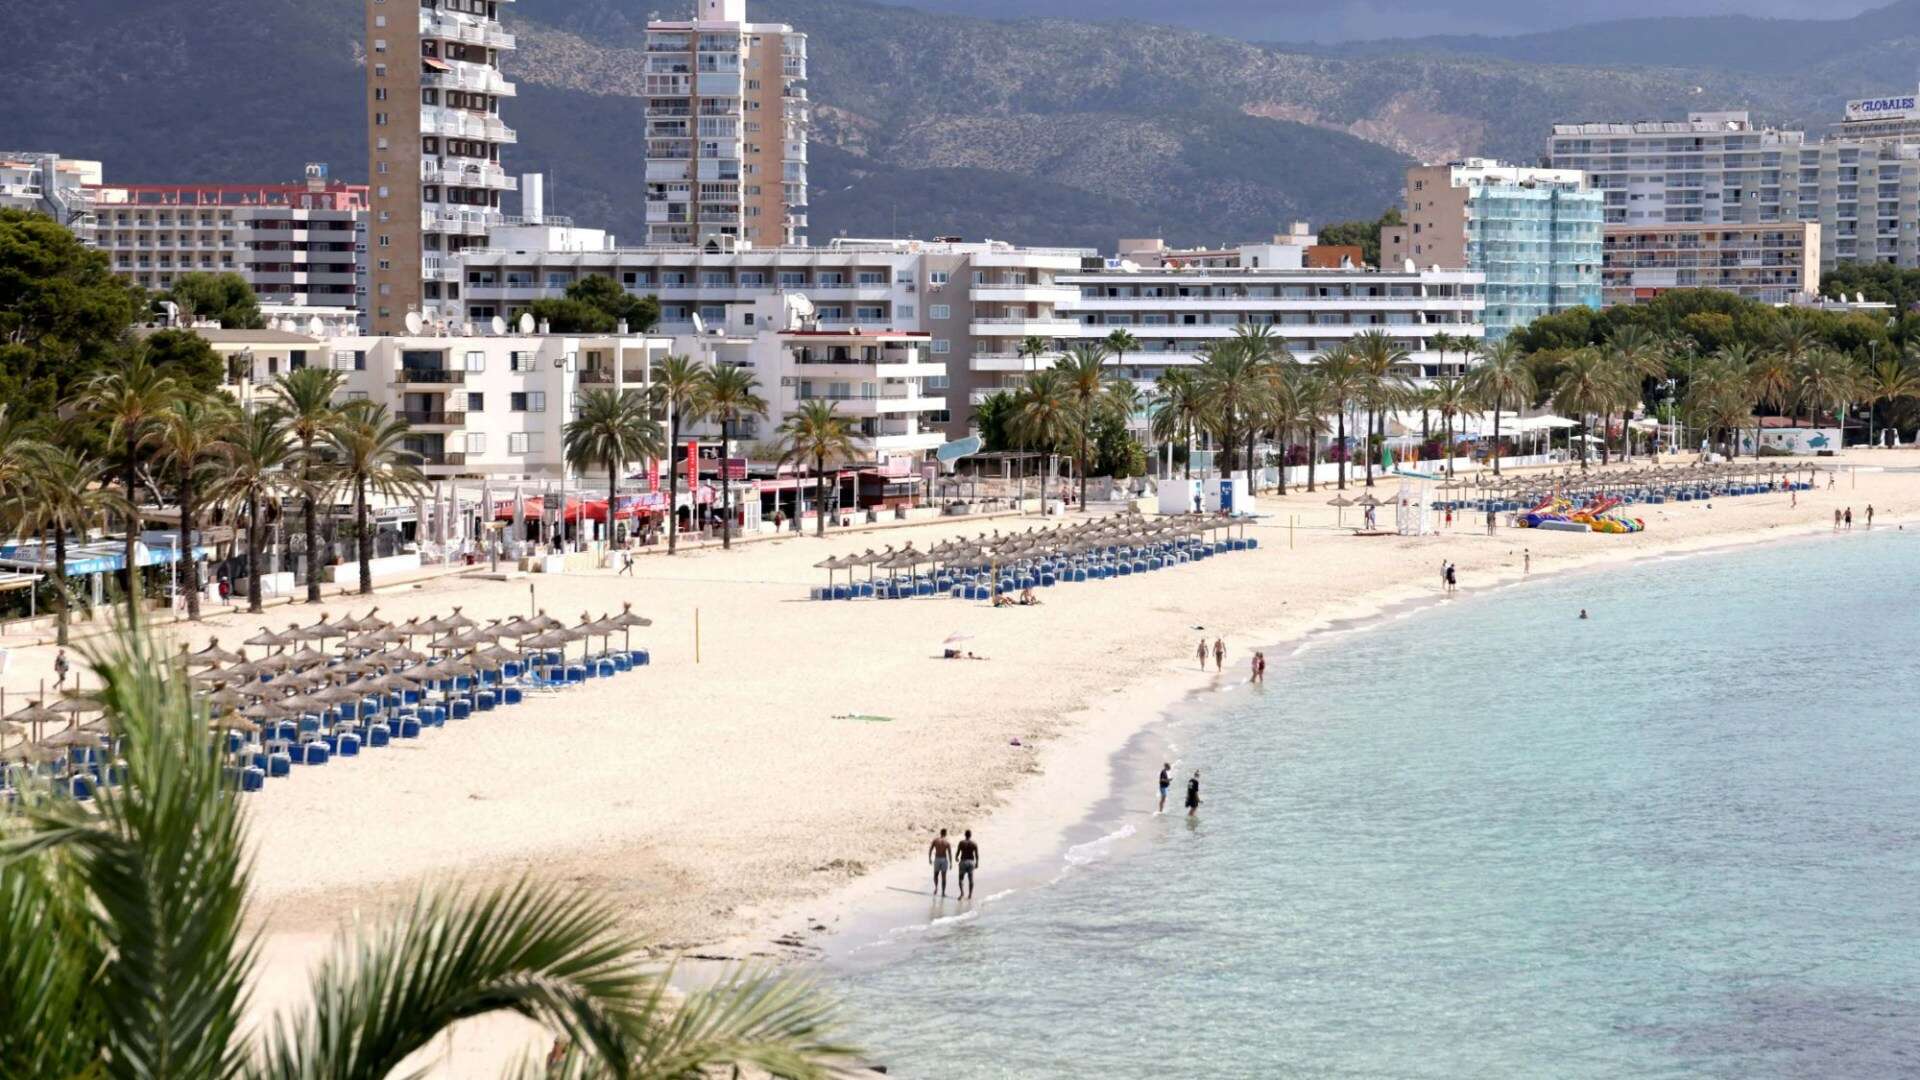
269 638
214 654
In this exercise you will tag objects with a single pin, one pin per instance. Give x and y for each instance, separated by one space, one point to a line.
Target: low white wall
349 572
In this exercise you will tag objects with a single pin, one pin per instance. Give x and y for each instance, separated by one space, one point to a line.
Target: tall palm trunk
133 537
1345 454
190 565
253 554
613 498
1186 467
726 491
1253 472
363 537
1084 425
60 583
1313 454
1367 444
820 497
673 485
1496 436
313 523
1281 472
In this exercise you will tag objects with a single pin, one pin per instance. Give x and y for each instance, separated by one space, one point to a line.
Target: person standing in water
1166 781
969 855
1201 652
1193 794
937 854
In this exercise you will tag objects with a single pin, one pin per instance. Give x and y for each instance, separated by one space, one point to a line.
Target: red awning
434 63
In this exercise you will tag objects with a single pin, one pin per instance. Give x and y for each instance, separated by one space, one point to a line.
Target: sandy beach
741 804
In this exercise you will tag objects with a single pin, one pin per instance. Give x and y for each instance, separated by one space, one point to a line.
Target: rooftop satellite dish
800 305
1410 268
699 324
499 326
1859 298
315 327
526 322
413 323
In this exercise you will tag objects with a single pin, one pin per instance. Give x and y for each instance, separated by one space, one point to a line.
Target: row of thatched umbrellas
1626 484
1127 529
293 679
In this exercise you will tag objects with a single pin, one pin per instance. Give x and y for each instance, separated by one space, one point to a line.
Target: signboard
653 474
736 468
897 464
1897 107
1803 442
693 461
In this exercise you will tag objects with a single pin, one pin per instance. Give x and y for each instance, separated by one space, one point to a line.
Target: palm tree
1232 382
1451 398
1341 378
187 437
1827 381
127 401
64 492
1889 381
1312 399
129 952
1383 382
1720 393
1280 410
817 433
254 454
1769 373
1443 343
1176 408
611 429
1637 354
1502 376
679 386
1083 369
1044 416
1120 341
1034 349
305 400
369 454
732 395
1588 385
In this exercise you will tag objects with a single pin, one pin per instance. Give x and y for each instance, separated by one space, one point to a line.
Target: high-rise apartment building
434 137
1711 168
1534 233
727 117
299 245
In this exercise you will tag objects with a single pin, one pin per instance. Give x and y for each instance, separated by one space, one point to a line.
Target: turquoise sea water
1681 839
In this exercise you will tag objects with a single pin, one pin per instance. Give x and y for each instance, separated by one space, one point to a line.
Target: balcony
1023 326
477 176
1023 294
474 78
440 459
432 418
431 377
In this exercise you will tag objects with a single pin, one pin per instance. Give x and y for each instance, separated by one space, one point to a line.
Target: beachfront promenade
777 749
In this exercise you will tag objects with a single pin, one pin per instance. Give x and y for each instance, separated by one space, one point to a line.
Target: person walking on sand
1201 652
1219 654
1869 515
1166 781
1526 561
1193 794
1836 519
937 854
969 856
626 563
1849 519
60 668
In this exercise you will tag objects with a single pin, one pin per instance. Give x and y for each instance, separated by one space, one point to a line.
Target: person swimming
1583 613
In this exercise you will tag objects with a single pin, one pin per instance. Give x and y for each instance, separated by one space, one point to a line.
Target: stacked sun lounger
989 566
301 706
1679 483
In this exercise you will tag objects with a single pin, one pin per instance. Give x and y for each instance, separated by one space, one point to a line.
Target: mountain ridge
1041 130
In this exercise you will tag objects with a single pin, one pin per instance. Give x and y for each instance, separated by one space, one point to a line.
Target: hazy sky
1338 20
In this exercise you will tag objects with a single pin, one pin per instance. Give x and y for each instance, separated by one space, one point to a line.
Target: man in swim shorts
937 855
1166 781
969 853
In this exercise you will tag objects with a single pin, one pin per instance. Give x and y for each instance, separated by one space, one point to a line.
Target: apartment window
939 311
379 71
938 382
380 119
379 93
476 401
528 401
519 442
343 360
476 360
380 143
903 312
942 346
382 168
358 395
476 442
520 361
379 44
937 277
385 192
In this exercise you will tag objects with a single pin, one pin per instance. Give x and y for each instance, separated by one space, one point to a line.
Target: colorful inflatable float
1602 516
